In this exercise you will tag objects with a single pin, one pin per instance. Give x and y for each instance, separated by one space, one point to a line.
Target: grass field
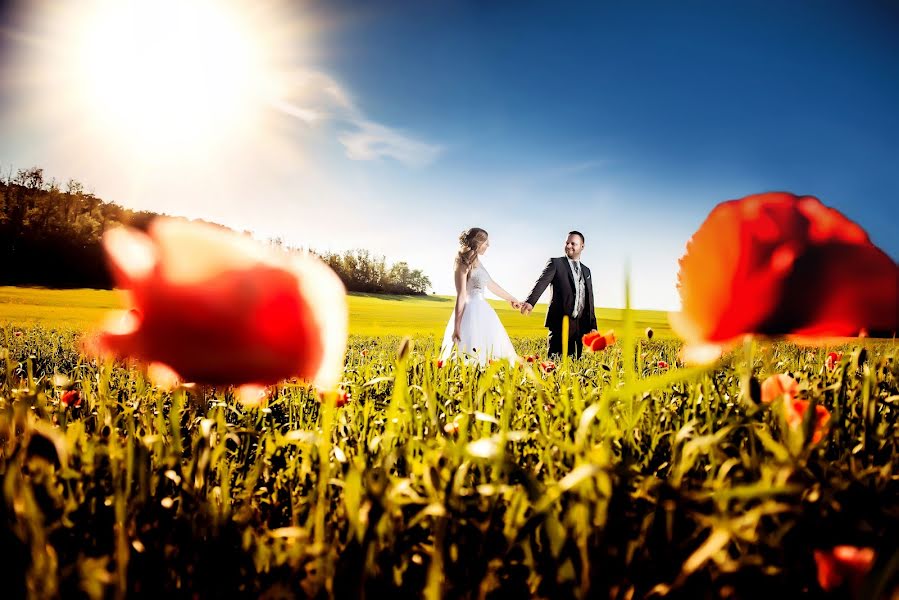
370 314
621 474
605 477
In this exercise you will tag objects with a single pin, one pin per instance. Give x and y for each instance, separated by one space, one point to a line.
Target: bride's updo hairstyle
469 242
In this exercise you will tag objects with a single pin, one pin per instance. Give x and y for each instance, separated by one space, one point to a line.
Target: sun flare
169 73
157 79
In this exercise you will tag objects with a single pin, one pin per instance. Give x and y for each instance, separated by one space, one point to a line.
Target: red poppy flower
252 395
343 397
832 359
795 413
843 564
595 341
548 366
163 377
18 334
219 308
779 264
779 385
71 398
439 364
364 353
663 364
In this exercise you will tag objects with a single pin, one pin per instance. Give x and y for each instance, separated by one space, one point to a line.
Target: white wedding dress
483 336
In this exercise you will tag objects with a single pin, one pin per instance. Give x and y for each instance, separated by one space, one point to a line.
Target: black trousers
576 330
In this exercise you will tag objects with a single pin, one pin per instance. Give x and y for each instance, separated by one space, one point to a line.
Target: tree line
50 236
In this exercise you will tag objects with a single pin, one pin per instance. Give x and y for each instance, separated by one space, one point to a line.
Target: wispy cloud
307 115
316 97
372 141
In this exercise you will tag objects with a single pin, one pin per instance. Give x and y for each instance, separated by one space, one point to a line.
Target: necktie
577 288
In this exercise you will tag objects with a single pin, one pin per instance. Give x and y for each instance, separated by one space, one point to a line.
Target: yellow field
370 314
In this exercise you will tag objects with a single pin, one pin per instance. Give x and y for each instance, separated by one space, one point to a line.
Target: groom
572 296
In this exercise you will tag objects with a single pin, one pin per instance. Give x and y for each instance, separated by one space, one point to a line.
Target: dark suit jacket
558 274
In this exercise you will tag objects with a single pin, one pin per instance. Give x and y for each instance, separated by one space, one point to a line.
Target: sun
169 74
157 80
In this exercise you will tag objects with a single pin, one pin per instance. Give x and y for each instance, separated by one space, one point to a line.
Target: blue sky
403 123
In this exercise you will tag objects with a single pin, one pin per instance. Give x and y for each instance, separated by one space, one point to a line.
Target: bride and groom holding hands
474 329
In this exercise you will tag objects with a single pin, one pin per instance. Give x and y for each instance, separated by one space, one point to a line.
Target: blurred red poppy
596 342
780 264
548 366
779 385
832 359
343 397
71 398
163 377
843 564
219 308
252 395
795 413
663 364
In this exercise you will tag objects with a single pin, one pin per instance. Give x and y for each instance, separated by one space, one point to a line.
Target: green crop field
604 477
370 314
621 474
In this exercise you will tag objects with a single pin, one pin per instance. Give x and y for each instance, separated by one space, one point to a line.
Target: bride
474 326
